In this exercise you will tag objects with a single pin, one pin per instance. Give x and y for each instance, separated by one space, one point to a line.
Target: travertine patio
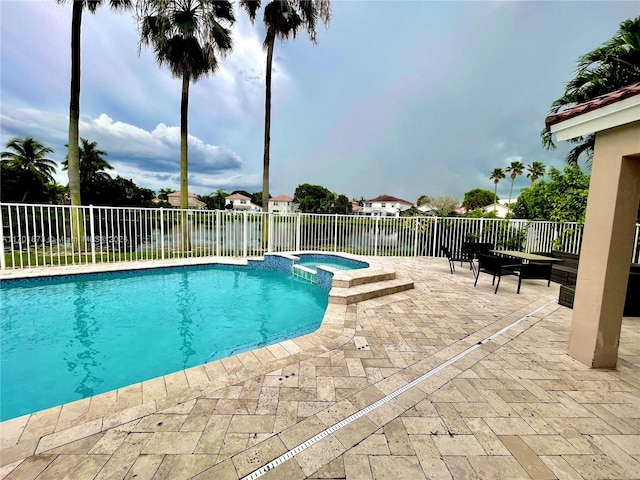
517 407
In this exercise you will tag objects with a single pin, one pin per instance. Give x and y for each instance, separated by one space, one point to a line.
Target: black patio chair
476 248
534 271
497 267
454 257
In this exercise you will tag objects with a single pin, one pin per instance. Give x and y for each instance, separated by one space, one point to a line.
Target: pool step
351 278
366 285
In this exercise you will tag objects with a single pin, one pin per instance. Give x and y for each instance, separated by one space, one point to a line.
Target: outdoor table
531 257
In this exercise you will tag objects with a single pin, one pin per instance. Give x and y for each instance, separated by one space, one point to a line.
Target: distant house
239 202
500 208
427 210
385 206
355 207
194 201
282 204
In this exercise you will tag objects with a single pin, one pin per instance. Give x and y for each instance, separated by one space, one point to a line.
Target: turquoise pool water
68 338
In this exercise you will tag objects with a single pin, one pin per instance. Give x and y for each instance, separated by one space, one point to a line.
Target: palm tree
73 154
496 176
536 170
220 197
282 20
28 157
514 169
189 37
614 65
92 169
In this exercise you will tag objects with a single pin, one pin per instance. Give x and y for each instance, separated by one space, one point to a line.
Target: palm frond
613 65
251 7
585 147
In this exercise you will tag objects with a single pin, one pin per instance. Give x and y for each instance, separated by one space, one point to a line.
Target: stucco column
605 256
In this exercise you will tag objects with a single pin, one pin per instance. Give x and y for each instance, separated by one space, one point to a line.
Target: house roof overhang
602 113
619 113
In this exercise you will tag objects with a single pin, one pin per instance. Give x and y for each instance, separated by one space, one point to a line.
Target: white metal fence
50 235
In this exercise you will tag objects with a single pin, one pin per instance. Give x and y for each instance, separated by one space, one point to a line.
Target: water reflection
82 353
184 300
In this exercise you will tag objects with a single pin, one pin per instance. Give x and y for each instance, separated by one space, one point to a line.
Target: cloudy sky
404 98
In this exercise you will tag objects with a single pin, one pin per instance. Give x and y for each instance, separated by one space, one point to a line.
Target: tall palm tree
282 20
189 37
610 67
514 169
496 176
74 103
28 157
536 170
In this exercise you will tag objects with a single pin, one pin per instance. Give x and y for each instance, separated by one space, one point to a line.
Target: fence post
162 233
298 230
244 234
335 234
375 237
270 232
415 236
3 263
92 236
435 236
217 233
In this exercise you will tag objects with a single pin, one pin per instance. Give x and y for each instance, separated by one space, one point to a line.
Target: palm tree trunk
513 178
271 39
73 158
26 194
495 197
184 148
73 154
184 160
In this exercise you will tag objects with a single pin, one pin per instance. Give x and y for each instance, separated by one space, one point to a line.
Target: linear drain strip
303 446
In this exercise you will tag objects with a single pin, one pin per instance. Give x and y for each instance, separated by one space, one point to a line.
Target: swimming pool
67 338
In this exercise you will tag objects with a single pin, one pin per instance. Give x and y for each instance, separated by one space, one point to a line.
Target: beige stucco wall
605 256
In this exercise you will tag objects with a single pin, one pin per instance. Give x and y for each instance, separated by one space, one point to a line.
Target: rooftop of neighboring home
281 198
237 196
389 199
177 194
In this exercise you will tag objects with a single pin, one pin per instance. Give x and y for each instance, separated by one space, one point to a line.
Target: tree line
27 177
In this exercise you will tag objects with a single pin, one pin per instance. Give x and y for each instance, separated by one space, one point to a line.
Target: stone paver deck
516 407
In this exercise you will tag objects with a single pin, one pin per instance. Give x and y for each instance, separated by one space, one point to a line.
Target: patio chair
476 248
454 257
495 266
534 271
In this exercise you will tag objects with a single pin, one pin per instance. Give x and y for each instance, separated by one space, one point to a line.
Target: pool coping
41 431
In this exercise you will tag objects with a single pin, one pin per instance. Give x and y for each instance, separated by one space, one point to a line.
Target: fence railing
51 235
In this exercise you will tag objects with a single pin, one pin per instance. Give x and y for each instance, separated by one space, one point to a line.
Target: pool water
69 338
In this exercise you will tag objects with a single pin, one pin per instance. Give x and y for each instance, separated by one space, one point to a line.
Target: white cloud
200 183
148 157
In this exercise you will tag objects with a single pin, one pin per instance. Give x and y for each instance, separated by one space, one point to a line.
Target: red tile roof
388 198
238 196
596 103
281 198
177 194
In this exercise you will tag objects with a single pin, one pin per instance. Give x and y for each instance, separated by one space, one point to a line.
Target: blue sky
404 98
